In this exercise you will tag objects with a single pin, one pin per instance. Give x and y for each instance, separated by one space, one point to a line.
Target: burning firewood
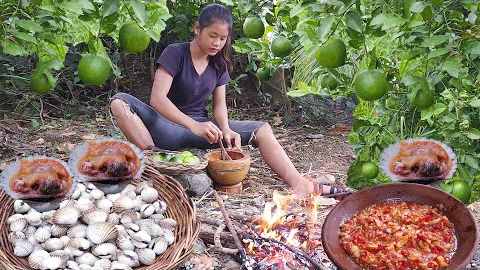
276 240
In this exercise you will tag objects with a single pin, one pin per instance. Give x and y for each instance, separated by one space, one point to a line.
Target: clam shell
105 204
153 230
53 263
128 216
36 258
53 244
141 239
58 230
124 243
85 267
22 248
83 204
113 218
103 264
147 210
160 207
129 187
146 256
122 203
14 236
65 239
159 245
81 150
138 203
14 217
128 257
142 185
101 232
40 203
18 225
81 244
77 231
43 234
390 152
157 217
34 217
87 258
62 254
167 223
169 236
130 194
94 216
119 266
21 207
48 216
73 265
149 195
66 216
105 250
97 194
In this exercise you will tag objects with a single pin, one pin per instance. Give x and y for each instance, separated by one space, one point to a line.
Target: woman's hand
207 130
232 138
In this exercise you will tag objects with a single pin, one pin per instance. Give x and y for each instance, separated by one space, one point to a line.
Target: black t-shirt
189 91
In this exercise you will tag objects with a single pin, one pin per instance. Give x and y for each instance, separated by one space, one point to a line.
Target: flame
275 214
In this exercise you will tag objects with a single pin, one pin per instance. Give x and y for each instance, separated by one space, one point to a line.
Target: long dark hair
213 13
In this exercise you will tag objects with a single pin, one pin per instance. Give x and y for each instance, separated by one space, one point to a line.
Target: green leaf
139 10
241 48
53 64
76 6
153 34
296 10
473 134
471 161
25 36
475 103
303 86
434 41
29 25
472 18
325 26
410 80
12 48
416 20
452 66
473 47
426 113
354 21
438 52
387 20
48 6
418 7
297 93
438 108
110 7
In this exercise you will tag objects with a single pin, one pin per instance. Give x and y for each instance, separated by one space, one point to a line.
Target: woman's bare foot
305 188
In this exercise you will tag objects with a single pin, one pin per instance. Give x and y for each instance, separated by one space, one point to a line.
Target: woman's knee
263 132
118 108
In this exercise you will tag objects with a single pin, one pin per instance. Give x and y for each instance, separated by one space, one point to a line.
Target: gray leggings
171 136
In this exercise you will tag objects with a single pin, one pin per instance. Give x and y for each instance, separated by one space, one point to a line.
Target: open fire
284 238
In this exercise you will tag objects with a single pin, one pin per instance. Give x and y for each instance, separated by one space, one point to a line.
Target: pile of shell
94 231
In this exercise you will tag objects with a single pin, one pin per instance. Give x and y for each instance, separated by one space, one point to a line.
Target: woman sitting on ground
187 74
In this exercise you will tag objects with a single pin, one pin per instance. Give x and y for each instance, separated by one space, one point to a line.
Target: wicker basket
172 168
179 207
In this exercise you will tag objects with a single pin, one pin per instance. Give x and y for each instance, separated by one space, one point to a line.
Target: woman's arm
160 102
220 113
